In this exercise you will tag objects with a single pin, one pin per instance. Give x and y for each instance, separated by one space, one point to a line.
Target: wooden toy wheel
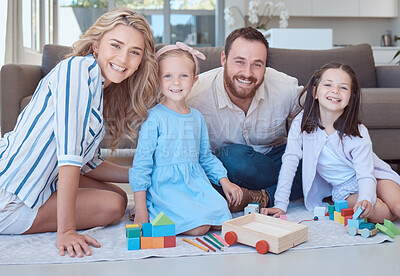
365 233
262 247
230 237
352 231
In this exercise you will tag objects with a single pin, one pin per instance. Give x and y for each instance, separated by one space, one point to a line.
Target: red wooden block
347 212
170 241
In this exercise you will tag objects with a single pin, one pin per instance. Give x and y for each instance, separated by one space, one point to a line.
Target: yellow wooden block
158 242
146 242
341 219
132 225
337 216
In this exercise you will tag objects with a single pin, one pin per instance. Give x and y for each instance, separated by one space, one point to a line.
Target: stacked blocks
160 233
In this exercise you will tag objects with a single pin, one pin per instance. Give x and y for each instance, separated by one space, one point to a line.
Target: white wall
346 30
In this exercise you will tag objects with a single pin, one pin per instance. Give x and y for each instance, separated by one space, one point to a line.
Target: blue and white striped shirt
62 125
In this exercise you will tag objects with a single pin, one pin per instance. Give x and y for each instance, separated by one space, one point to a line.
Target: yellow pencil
195 244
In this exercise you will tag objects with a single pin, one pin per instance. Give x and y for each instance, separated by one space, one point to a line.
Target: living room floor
378 259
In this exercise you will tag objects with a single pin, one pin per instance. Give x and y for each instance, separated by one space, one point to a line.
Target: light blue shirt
62 125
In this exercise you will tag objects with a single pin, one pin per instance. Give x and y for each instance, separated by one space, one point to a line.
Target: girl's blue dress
173 163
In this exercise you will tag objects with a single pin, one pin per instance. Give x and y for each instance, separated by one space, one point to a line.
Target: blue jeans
255 171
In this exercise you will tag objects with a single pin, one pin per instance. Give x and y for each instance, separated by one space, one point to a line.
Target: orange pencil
220 239
195 244
205 244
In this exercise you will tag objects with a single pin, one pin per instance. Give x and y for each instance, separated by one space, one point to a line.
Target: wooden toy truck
264 233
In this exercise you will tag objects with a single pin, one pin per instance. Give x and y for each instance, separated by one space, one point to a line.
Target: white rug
41 249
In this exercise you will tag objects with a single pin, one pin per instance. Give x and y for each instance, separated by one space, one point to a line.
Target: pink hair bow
179 45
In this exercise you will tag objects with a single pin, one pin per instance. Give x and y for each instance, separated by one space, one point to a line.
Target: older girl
336 150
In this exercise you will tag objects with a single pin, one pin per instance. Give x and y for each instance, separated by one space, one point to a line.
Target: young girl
336 151
52 177
173 158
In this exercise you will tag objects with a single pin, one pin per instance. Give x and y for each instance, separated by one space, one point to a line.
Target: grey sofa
380 86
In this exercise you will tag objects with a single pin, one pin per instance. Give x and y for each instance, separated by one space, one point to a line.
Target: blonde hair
126 103
174 53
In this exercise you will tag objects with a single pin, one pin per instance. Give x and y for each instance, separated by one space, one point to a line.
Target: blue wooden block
357 213
341 204
133 243
163 230
331 216
147 230
353 223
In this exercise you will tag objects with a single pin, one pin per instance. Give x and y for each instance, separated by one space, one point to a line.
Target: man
247 108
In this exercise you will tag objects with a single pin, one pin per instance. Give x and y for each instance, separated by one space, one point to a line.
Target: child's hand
367 208
233 193
276 212
141 217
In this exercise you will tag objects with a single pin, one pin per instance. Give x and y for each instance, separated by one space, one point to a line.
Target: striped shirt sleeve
73 92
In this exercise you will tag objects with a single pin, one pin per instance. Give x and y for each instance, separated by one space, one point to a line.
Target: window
190 21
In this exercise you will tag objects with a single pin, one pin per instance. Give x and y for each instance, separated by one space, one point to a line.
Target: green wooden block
391 227
162 219
133 232
369 226
385 230
331 209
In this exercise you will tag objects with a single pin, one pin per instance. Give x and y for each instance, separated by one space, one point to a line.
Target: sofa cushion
52 55
290 61
380 108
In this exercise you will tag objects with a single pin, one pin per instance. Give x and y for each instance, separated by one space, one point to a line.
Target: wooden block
385 230
357 213
158 242
131 225
331 216
353 223
147 229
146 242
162 219
341 219
337 216
133 232
133 243
347 212
367 225
280 234
388 224
163 230
341 204
170 241
250 209
331 209
319 212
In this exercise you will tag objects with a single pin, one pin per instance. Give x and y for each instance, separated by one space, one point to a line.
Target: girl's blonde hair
126 103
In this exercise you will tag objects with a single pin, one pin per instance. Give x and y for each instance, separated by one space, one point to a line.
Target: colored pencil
213 243
195 244
220 239
214 239
212 249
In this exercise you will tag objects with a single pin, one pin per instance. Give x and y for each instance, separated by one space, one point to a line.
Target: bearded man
248 108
